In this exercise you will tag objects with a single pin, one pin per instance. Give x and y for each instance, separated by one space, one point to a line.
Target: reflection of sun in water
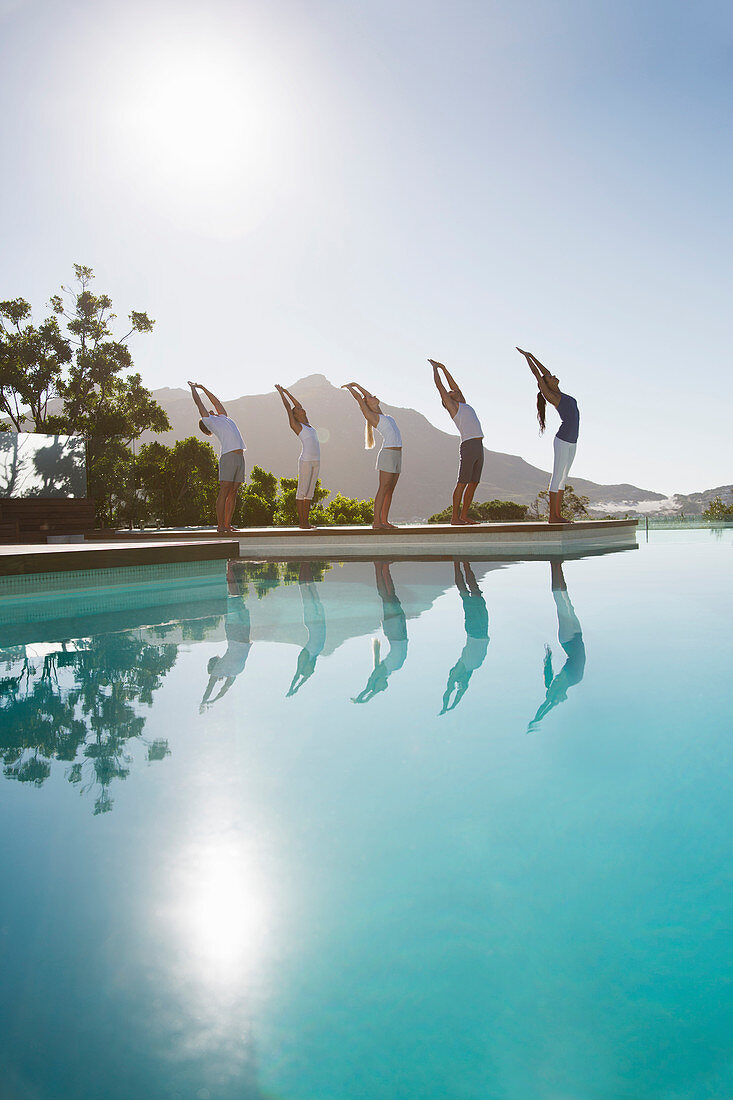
206 131
222 913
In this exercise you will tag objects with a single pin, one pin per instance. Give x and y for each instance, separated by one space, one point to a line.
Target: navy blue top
570 417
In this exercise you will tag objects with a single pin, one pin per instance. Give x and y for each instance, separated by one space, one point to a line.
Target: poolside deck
421 540
105 550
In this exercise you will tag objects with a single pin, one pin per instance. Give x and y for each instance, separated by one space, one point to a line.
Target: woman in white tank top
309 463
389 459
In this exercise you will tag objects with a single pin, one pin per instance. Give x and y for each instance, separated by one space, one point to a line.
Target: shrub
491 511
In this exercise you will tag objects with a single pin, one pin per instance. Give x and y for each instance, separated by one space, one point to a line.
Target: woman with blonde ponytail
389 459
566 439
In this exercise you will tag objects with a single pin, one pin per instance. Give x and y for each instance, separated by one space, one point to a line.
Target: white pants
567 621
307 478
564 455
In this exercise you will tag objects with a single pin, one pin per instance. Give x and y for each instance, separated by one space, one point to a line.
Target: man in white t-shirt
231 463
472 443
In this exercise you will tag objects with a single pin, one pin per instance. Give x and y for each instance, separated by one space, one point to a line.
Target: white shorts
564 455
307 478
389 460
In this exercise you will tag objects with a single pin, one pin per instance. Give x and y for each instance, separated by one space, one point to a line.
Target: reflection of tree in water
78 705
263 576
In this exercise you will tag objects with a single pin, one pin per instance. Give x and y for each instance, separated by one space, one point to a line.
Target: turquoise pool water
246 856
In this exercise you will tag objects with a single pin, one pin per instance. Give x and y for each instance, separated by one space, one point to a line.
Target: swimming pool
334 831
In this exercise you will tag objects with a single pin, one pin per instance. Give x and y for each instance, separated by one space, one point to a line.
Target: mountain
693 504
430 458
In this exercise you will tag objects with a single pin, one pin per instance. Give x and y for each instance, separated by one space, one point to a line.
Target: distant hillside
431 455
695 503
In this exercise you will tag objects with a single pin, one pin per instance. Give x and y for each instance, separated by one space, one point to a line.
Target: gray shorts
231 467
389 460
472 461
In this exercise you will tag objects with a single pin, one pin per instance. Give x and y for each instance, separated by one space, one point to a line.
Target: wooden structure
32 519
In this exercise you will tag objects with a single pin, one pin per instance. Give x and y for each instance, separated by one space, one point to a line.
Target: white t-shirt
311 451
468 423
387 428
226 431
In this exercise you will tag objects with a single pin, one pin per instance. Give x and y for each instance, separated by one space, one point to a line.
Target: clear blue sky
291 187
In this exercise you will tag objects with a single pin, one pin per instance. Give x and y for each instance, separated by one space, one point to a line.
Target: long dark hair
541 406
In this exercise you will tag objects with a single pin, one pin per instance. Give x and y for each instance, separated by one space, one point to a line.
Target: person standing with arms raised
472 443
389 459
566 440
309 462
231 462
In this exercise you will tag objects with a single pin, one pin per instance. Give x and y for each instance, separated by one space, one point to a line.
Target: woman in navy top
566 440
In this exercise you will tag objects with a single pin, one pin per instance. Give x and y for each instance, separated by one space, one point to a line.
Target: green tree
491 511
286 514
573 506
257 502
32 362
716 510
86 368
346 510
177 485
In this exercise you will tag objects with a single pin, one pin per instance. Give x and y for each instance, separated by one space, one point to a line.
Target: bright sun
207 133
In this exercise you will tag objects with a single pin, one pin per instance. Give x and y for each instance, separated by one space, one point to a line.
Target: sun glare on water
221 913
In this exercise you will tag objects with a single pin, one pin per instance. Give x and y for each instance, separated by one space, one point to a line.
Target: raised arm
294 400
449 404
531 364
203 411
540 373
294 424
360 395
218 407
545 372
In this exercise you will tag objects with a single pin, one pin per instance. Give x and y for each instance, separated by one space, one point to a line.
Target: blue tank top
570 417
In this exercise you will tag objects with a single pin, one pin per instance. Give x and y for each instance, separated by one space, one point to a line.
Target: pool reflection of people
237 630
476 621
315 623
570 636
394 625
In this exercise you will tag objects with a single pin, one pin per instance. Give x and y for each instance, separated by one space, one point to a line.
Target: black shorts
472 461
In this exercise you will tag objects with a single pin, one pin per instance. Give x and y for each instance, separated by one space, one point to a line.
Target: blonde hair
368 435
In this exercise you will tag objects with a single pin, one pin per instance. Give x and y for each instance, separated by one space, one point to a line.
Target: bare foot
379 527
231 530
470 522
458 523
391 526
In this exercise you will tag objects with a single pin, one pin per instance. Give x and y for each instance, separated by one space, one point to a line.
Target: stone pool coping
424 540
61 557
104 550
